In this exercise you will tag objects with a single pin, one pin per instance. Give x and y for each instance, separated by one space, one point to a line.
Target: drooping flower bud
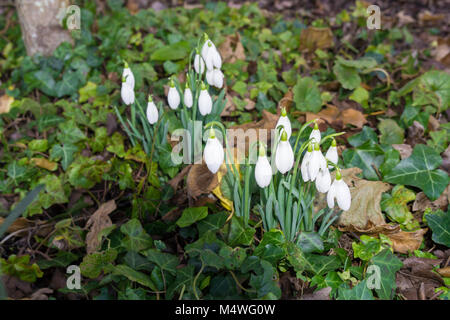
284 156
173 97
127 92
152 111
213 153
332 154
263 170
204 101
187 96
341 192
315 134
285 122
128 75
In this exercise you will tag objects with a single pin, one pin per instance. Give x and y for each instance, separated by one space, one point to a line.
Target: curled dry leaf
232 49
41 294
174 182
365 216
415 134
314 38
286 102
44 163
200 180
331 114
365 210
99 221
229 106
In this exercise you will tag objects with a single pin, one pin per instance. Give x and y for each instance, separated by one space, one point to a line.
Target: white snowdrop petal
213 154
284 157
216 59
152 112
210 76
173 98
331 195
263 172
204 103
286 123
304 166
332 155
199 64
343 196
127 93
323 181
218 78
315 134
187 98
127 74
314 165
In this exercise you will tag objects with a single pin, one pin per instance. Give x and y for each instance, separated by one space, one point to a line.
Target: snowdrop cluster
209 57
315 167
128 96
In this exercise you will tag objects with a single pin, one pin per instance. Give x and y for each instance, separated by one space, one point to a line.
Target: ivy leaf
133 275
310 242
136 239
94 263
389 264
439 223
184 279
391 133
419 170
64 153
365 156
348 77
192 215
359 292
367 133
165 261
307 95
212 222
395 205
239 234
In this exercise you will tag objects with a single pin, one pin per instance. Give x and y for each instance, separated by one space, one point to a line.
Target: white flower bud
263 170
332 154
187 97
285 122
199 64
173 97
315 134
127 74
204 102
213 153
284 156
152 111
127 93
341 192
217 78
210 77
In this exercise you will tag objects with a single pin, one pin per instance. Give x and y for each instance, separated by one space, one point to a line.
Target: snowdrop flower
204 101
127 92
199 63
213 153
285 122
305 163
217 78
187 96
323 180
152 111
208 53
341 192
284 156
317 162
173 97
315 134
210 77
332 154
263 170
128 75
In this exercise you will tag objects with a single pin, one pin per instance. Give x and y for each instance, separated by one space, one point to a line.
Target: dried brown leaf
314 38
232 49
97 222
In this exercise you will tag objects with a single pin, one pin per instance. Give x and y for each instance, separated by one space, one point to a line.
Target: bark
40 21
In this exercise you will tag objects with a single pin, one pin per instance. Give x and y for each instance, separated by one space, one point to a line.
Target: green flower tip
125 64
203 86
316 147
338 174
333 143
310 148
262 150
283 112
205 36
150 99
284 136
124 79
171 83
316 126
212 133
